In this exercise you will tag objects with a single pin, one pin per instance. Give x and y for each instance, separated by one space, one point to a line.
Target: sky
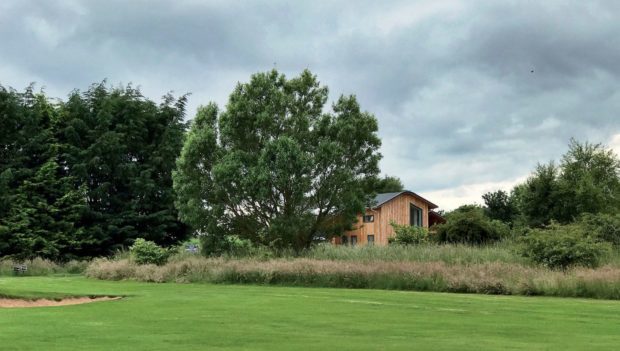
469 95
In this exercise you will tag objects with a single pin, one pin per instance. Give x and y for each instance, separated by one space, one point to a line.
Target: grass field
235 317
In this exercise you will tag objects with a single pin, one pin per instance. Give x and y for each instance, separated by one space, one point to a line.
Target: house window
344 240
369 218
415 215
371 239
353 240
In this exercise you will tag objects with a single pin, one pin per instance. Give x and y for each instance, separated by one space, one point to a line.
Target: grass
39 267
225 317
453 254
484 278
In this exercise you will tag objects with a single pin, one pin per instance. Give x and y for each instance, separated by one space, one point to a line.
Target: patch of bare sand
23 303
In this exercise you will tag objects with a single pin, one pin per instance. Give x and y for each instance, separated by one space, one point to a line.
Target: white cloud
449 199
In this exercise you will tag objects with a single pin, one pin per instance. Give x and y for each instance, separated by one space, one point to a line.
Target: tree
122 147
468 224
589 181
40 208
273 167
536 199
499 205
389 184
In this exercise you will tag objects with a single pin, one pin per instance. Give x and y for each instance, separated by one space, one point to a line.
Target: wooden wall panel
396 210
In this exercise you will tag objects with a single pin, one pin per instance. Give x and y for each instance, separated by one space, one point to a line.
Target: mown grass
236 317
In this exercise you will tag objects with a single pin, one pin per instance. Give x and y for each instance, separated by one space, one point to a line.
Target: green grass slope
224 317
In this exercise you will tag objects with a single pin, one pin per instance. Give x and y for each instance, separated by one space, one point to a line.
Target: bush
231 245
408 235
604 227
561 247
471 226
147 252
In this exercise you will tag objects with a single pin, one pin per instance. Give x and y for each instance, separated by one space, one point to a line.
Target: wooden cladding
397 209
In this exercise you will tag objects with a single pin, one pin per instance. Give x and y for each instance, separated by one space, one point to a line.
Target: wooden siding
396 210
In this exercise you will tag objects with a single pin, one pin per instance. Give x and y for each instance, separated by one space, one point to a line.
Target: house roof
380 199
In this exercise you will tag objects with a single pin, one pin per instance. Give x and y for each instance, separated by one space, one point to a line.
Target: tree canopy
587 180
274 166
87 176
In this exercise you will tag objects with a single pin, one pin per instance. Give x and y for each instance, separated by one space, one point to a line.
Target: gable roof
380 199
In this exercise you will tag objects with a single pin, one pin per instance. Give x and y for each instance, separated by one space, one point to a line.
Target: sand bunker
22 303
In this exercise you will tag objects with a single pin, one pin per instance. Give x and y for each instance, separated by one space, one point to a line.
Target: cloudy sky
469 95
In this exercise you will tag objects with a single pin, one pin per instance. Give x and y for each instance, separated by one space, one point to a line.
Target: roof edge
430 207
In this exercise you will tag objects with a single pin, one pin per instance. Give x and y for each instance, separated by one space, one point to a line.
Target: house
405 208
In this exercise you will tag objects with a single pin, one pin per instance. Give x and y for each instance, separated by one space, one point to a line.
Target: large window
369 218
344 240
415 215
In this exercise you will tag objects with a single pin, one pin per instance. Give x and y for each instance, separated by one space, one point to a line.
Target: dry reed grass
485 278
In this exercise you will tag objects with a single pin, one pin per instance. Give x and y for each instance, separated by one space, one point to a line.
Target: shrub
408 235
471 226
231 245
604 227
561 247
147 252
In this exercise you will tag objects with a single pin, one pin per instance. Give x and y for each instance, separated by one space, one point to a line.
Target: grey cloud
450 82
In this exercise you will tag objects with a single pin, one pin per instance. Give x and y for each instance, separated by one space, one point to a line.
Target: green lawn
224 317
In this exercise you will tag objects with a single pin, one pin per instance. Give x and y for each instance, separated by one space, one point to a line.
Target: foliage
122 147
389 184
586 181
86 177
230 245
468 224
561 247
39 206
589 181
408 235
274 167
148 252
605 227
500 206
537 198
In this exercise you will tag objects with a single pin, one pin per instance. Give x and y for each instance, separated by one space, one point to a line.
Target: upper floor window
369 218
415 215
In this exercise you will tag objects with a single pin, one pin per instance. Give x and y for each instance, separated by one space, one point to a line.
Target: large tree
122 148
39 206
274 166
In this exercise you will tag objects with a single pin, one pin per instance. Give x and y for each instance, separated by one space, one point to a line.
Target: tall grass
451 253
39 266
486 278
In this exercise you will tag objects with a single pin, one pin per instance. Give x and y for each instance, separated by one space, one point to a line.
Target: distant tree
537 198
274 167
389 184
589 181
499 205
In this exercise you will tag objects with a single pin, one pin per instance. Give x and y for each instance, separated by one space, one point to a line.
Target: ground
228 317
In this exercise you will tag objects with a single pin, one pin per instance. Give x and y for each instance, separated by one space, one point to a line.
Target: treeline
586 180
86 176
563 215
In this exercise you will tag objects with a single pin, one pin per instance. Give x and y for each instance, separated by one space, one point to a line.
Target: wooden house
405 208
